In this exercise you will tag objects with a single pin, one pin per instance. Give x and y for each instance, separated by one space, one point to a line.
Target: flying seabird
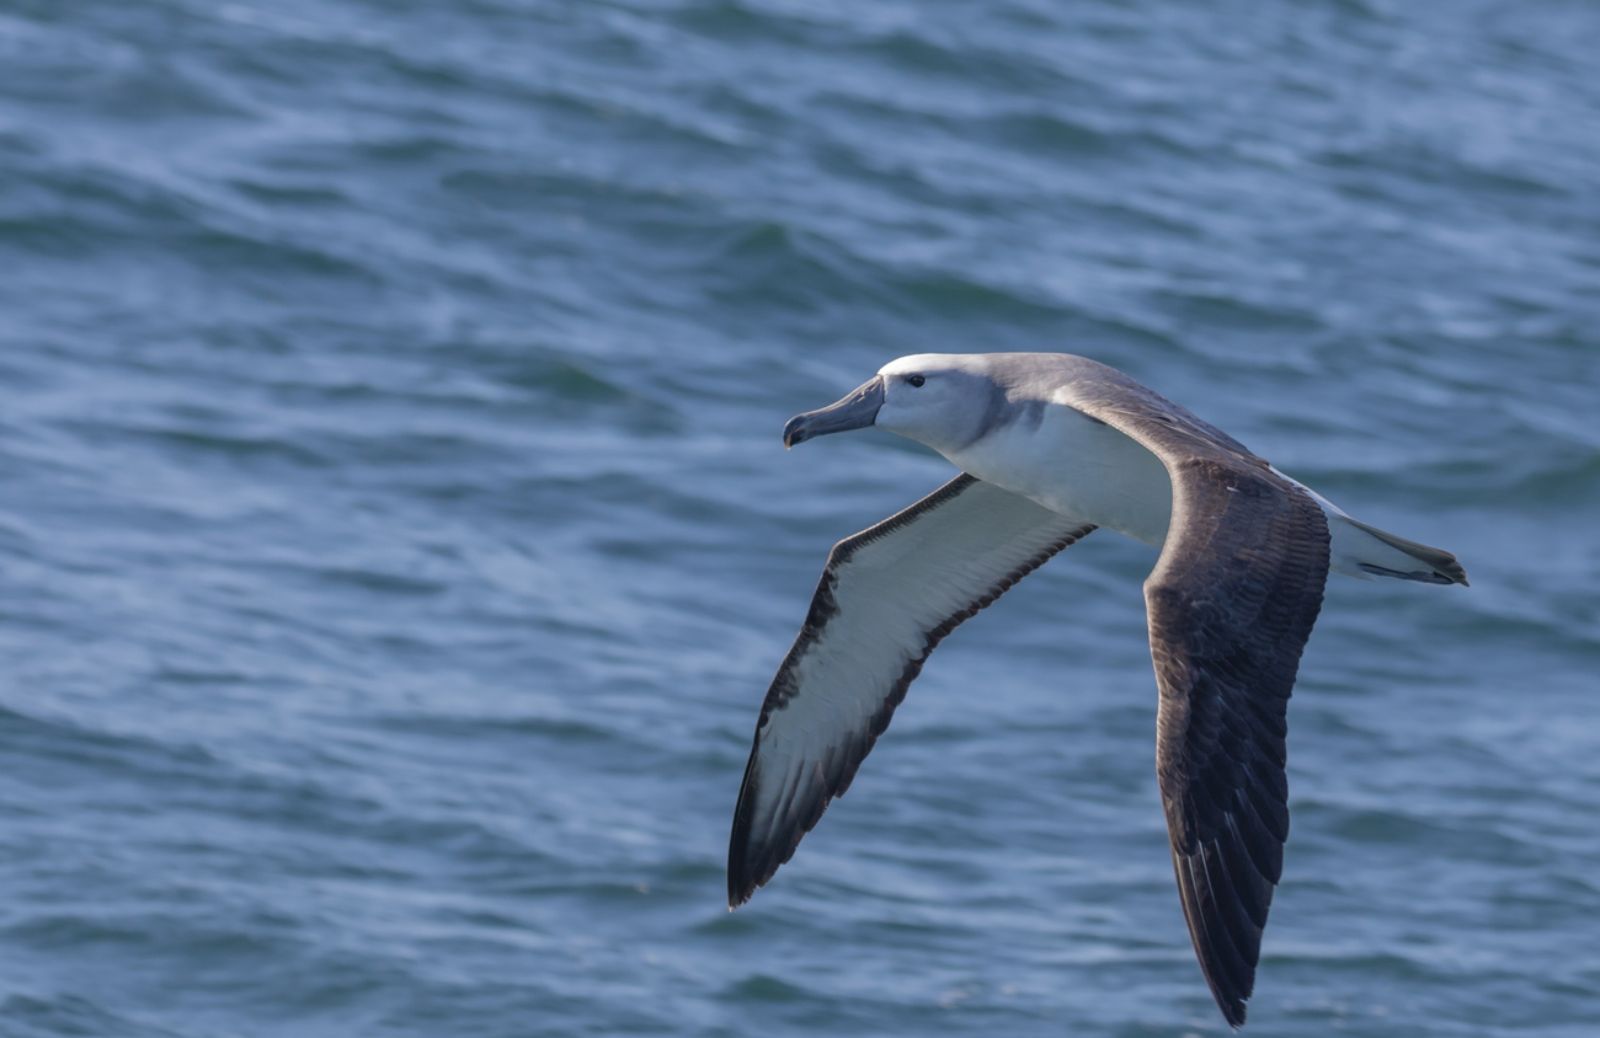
1051 446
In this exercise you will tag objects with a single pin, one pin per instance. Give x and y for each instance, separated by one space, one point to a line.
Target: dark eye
916 380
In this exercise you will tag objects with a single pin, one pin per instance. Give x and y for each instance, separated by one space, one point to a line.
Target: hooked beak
856 411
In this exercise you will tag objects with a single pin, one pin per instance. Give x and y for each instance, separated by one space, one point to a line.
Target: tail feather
1440 567
1362 550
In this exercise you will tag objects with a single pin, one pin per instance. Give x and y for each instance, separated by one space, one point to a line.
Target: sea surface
396 541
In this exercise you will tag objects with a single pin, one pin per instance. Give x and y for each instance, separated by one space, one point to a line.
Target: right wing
886 598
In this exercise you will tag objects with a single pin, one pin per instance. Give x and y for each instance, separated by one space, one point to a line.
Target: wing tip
754 858
1234 1006
740 883
743 880
1231 984
750 866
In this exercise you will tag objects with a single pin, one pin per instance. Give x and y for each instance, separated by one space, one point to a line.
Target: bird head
941 400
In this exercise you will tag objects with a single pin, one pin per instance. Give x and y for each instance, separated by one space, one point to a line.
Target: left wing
1231 603
886 598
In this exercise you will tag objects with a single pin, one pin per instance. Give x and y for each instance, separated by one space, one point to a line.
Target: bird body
1052 446
1056 455
1076 466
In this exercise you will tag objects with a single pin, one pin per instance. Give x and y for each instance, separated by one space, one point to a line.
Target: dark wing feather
886 598
1231 603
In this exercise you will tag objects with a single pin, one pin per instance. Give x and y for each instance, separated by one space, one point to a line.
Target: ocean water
396 541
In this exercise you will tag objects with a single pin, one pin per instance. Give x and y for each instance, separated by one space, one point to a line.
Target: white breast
1077 467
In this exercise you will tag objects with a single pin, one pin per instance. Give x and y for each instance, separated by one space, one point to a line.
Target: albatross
1050 447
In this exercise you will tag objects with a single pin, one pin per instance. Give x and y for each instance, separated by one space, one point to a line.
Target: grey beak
856 411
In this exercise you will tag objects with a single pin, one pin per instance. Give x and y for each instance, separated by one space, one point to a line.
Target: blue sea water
396 543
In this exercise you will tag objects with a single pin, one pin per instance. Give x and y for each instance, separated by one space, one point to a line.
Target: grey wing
1231 604
887 596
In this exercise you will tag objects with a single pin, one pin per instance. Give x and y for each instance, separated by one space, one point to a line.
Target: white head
943 400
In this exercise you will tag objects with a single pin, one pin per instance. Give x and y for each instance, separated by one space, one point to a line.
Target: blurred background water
395 540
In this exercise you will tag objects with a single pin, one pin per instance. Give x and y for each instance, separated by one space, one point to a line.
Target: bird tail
1365 550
